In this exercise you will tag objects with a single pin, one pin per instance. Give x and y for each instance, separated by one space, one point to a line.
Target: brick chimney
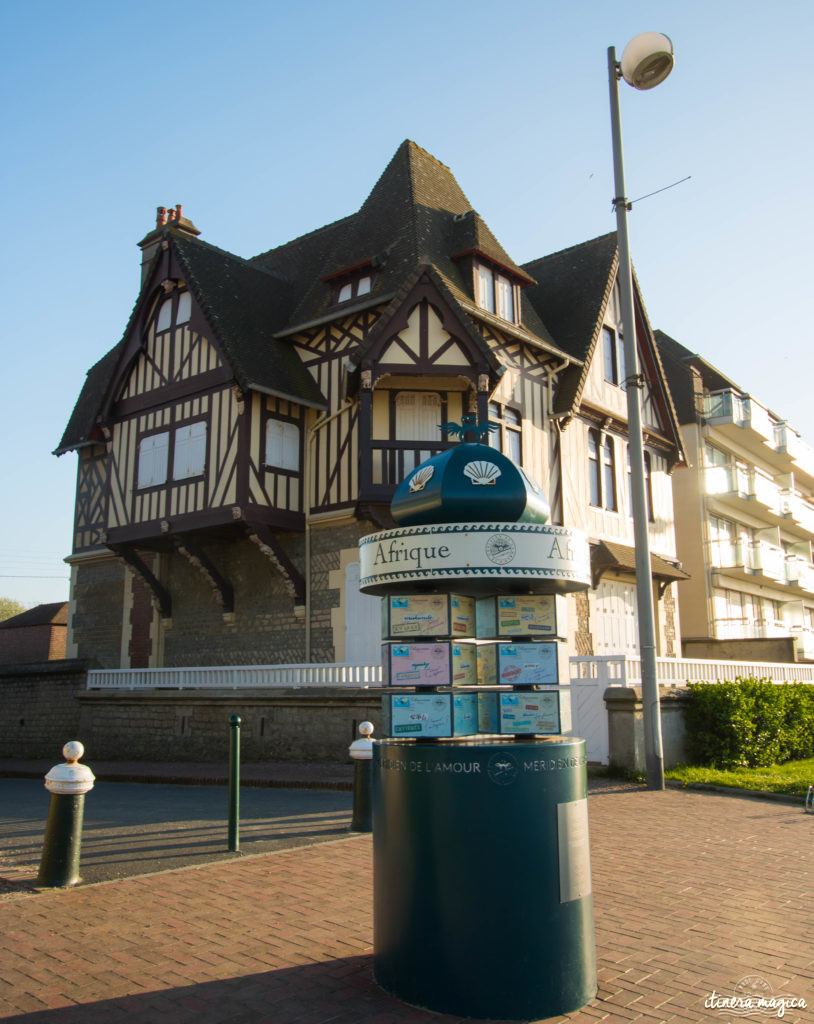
167 220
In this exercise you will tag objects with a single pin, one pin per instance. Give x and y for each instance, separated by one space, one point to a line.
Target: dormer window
353 285
496 292
182 303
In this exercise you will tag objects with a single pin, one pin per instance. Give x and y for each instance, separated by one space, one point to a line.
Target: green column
482 894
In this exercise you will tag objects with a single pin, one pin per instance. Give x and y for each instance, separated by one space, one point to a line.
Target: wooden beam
161 596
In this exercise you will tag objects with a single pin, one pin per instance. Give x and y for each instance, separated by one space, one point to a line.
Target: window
153 452
608 473
189 457
182 303
418 415
188 445
723 543
613 357
352 286
283 445
648 486
496 293
184 308
507 438
601 470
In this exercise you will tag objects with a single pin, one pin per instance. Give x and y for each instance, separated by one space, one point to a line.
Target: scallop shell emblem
481 473
421 478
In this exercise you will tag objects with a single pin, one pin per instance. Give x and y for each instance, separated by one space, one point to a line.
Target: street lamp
646 61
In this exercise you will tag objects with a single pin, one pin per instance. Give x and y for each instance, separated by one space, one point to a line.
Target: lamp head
647 60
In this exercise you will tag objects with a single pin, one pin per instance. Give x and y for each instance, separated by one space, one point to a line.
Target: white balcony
729 409
729 555
787 440
797 510
765 492
767 560
803 642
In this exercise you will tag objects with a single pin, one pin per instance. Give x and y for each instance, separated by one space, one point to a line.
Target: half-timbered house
257 414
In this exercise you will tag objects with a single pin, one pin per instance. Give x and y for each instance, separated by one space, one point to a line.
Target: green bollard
234 783
67 783
362 753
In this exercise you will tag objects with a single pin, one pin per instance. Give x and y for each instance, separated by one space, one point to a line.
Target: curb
750 794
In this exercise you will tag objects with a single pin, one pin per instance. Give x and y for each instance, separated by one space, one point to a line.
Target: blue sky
267 120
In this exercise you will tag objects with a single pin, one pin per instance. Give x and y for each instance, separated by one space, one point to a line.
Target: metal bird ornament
469 421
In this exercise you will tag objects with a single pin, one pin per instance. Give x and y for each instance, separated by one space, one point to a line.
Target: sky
268 119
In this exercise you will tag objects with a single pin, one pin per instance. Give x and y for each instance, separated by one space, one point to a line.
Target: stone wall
97 601
265 628
41 708
626 726
47 704
277 725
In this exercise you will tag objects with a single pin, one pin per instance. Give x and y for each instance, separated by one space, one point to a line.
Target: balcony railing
740 410
728 555
794 507
799 572
767 560
766 492
787 440
803 641
392 461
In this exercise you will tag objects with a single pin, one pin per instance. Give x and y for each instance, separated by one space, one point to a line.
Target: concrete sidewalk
693 893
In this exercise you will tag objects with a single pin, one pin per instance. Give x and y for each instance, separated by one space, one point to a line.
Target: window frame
284 423
603 484
648 485
172 303
501 414
489 292
202 441
352 280
171 433
142 459
614 366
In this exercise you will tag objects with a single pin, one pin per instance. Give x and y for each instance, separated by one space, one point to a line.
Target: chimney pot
178 209
161 216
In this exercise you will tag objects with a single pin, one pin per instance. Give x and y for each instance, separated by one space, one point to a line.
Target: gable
422 332
173 350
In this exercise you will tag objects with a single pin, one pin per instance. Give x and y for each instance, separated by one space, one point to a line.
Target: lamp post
646 61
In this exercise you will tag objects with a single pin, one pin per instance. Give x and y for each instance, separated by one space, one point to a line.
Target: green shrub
749 723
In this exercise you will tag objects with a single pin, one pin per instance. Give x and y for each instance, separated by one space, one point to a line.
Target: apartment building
744 519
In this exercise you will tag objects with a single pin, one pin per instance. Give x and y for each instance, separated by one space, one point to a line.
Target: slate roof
571 291
607 555
80 428
54 614
415 214
243 304
679 362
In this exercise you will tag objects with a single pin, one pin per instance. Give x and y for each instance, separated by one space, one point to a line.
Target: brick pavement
693 892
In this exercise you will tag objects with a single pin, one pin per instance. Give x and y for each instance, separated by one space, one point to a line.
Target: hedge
749 723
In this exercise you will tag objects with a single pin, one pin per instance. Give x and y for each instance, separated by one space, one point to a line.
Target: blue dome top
470 483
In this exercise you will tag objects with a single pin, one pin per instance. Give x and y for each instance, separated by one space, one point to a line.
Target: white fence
234 677
622 670
589 677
